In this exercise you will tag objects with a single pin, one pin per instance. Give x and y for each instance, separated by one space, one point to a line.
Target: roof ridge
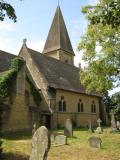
8 53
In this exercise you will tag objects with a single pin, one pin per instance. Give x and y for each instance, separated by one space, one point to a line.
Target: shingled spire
58 38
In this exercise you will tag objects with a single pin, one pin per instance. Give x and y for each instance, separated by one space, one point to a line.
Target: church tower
58 43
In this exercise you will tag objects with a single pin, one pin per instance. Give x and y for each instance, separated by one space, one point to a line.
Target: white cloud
36 45
78 59
92 2
115 90
10 45
6 26
6 44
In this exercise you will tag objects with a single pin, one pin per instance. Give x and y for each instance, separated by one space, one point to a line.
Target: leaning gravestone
61 140
95 142
68 130
40 144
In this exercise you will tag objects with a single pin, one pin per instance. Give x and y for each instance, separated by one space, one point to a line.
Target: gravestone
52 138
57 133
61 140
99 122
40 144
68 130
34 128
90 130
99 129
95 142
113 123
118 125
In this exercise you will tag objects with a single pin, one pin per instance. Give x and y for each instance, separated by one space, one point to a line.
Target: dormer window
93 107
62 105
80 106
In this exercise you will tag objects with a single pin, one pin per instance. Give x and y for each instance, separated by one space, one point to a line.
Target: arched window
93 107
80 106
62 105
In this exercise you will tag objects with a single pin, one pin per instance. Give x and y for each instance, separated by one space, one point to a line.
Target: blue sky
34 20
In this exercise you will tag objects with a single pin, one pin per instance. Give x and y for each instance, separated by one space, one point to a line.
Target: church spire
58 38
58 2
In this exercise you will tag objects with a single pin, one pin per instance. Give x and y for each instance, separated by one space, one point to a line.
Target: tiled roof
58 74
5 60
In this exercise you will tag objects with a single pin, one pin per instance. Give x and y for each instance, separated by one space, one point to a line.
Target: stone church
53 74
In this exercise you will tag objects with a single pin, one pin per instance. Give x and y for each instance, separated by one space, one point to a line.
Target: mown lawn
18 147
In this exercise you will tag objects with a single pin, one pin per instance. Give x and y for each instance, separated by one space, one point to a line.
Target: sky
34 18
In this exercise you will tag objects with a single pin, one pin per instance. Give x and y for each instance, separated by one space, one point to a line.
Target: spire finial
24 41
58 2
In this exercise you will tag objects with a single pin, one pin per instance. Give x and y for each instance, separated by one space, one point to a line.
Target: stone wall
18 118
78 119
53 54
72 99
66 57
36 75
62 55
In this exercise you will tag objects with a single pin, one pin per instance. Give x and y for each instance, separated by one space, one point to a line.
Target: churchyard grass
18 147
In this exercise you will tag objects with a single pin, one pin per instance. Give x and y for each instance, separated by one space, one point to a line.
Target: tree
107 102
105 12
101 46
116 104
6 9
112 103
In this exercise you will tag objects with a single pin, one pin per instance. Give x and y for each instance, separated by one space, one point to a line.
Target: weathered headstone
95 142
34 128
90 130
68 130
113 123
99 129
61 140
118 125
99 122
40 144
52 138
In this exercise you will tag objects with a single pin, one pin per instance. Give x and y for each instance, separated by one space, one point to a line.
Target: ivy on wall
6 80
36 95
